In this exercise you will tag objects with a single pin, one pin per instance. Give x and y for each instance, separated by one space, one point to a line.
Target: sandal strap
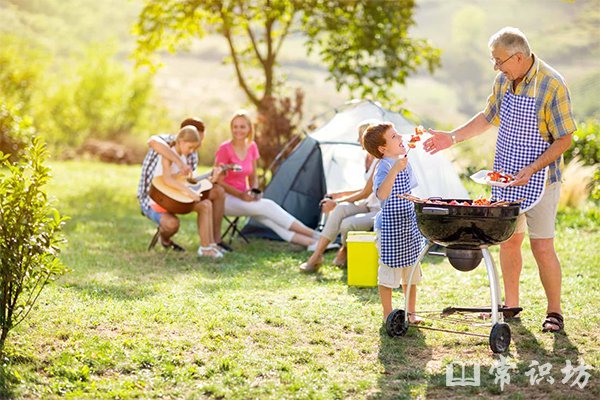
554 319
557 316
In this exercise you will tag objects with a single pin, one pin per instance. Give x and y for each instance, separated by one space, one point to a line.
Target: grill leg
410 277
494 285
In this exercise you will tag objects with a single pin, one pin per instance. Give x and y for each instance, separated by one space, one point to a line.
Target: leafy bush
30 236
586 143
586 147
15 131
100 99
71 100
20 78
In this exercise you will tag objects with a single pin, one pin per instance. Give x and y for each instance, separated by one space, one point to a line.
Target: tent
330 159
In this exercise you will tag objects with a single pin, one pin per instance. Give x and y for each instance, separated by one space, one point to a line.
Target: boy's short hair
373 138
194 121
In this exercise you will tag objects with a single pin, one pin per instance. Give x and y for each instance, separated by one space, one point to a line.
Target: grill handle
435 211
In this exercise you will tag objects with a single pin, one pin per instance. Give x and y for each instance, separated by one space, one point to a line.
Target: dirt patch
111 152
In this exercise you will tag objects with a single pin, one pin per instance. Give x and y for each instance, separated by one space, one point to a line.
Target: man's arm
441 140
555 150
162 148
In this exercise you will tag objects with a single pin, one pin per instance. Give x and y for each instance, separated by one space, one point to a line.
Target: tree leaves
364 44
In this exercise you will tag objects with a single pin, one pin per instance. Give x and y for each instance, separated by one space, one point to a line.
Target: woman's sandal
311 268
338 263
209 251
552 320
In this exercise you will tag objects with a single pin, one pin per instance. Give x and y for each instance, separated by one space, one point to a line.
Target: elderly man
530 103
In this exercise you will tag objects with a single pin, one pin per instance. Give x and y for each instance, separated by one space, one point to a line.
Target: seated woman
356 213
239 198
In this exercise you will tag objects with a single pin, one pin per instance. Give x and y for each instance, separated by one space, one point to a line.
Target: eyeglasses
497 64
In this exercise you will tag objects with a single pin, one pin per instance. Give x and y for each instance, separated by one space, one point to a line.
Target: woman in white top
355 213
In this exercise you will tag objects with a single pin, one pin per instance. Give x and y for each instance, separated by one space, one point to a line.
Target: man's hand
523 176
328 205
438 141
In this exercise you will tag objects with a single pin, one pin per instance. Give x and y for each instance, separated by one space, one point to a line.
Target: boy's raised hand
400 164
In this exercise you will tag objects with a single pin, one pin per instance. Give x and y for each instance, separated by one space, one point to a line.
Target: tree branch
255 45
236 62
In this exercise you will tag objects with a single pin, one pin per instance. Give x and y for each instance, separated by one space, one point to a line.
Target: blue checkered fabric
519 144
401 240
149 166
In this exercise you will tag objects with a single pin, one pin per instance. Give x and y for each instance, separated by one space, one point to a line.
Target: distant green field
131 323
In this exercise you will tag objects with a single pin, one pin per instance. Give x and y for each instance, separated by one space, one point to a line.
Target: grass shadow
113 291
404 360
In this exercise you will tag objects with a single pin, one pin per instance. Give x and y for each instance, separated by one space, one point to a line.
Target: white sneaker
331 246
209 251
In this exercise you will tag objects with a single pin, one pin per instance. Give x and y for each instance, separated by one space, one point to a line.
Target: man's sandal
552 320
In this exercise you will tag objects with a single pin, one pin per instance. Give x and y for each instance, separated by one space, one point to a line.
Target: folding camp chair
233 229
154 239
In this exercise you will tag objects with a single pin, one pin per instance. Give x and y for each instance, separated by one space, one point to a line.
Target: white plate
481 177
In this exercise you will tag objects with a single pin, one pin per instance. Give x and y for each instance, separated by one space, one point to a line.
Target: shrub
586 147
586 143
99 98
30 236
15 131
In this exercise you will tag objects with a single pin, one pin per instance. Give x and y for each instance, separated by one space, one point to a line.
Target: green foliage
586 146
71 101
20 77
15 131
100 99
30 236
365 45
586 143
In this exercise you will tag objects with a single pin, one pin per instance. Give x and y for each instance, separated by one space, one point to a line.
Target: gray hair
510 39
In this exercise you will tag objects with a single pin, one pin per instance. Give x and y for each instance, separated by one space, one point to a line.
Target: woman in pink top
239 199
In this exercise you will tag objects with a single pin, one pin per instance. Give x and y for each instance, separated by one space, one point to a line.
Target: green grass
128 323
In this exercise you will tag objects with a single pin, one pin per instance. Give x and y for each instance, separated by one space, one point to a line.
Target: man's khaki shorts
393 277
540 219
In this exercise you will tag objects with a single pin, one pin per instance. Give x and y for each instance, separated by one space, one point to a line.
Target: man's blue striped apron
401 240
519 144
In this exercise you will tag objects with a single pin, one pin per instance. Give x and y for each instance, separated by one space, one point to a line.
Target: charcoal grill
466 231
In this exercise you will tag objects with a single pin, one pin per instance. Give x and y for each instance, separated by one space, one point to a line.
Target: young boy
398 238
